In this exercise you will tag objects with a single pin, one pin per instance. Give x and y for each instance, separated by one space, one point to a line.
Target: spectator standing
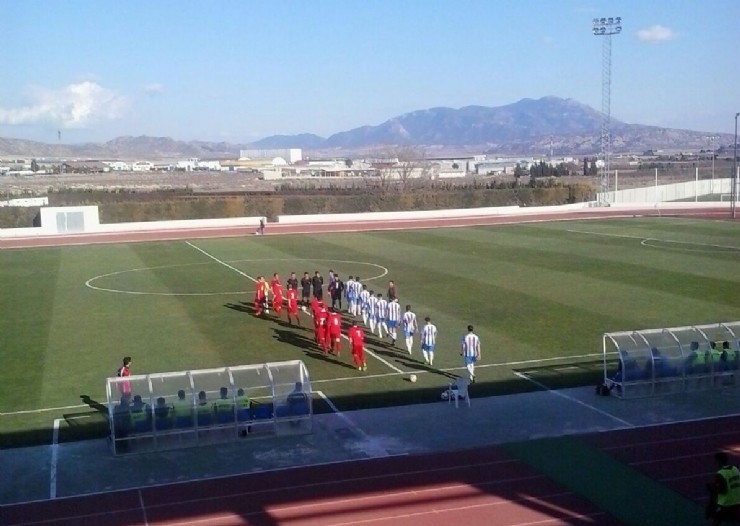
470 351
262 226
724 492
428 340
356 337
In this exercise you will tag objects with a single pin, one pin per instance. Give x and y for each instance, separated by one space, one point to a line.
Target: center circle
91 283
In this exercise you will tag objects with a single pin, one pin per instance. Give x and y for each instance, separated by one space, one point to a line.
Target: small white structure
141 166
291 155
69 219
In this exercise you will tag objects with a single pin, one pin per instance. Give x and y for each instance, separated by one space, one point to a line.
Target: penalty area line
571 399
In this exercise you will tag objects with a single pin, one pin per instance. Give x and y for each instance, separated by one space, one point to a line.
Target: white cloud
656 33
73 106
155 88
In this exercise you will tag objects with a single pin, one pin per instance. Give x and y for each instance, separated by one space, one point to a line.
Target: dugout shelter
651 362
173 410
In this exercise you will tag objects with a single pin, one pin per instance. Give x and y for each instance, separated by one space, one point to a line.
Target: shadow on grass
94 404
308 346
92 424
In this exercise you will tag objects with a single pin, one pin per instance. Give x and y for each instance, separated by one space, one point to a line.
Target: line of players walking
378 313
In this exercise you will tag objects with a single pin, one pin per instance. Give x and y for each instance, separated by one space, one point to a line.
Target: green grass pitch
540 297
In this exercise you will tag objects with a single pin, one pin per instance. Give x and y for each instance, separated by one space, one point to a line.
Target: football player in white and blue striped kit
428 340
356 290
394 318
372 313
381 309
409 327
348 291
470 351
364 307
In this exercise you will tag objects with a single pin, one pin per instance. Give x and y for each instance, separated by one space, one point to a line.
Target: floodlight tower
735 189
711 142
606 27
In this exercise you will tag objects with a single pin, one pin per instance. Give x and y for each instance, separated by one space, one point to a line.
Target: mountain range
526 127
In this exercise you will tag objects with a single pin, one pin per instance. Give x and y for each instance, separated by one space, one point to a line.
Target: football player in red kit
334 331
322 315
277 294
292 310
260 296
356 337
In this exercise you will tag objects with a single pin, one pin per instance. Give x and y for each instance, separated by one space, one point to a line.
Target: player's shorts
408 333
335 335
426 347
392 324
305 295
469 360
293 309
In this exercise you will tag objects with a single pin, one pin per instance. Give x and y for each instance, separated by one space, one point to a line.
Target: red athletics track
354 226
680 456
473 487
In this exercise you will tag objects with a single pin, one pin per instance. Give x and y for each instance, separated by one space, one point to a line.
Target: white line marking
570 398
31 411
54 456
89 282
645 240
214 258
143 508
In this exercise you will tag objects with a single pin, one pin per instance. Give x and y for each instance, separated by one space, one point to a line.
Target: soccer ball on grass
413 378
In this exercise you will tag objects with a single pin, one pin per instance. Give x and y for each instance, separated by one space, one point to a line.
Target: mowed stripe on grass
532 291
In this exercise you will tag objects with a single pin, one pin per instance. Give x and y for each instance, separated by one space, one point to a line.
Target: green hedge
120 207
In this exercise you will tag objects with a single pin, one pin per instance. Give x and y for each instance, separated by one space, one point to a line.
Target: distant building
289 155
141 166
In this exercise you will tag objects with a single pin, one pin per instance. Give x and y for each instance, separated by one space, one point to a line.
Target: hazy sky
240 70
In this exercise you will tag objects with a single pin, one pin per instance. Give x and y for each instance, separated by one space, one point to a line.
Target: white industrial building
289 155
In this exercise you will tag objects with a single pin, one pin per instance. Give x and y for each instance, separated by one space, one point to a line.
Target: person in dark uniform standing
724 492
292 282
317 282
305 290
